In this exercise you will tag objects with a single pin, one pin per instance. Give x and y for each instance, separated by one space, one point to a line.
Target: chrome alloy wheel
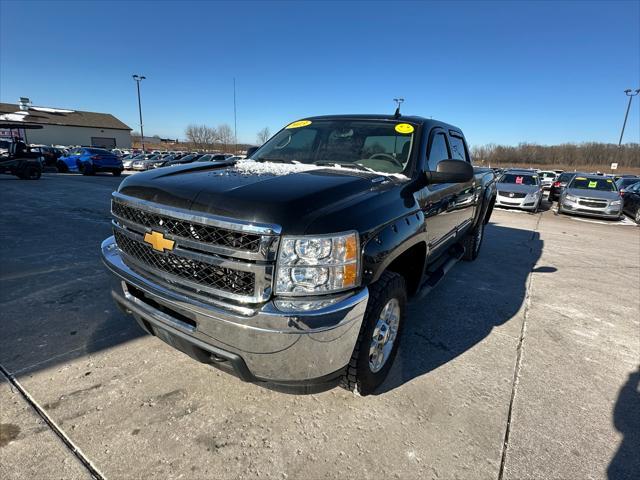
384 334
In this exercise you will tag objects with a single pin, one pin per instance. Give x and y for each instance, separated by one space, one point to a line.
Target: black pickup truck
294 267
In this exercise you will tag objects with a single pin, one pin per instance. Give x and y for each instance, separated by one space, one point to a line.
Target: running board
438 270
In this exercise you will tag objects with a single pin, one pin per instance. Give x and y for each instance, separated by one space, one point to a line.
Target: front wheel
379 336
637 217
117 173
472 242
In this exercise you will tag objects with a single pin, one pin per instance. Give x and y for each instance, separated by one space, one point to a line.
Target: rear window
98 151
565 177
590 183
625 182
548 174
519 179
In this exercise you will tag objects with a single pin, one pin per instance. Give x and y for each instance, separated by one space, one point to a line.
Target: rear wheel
117 173
86 169
379 336
30 172
637 217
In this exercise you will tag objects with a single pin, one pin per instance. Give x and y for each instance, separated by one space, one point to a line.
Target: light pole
629 93
138 79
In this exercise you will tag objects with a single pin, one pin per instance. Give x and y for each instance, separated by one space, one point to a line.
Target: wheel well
410 265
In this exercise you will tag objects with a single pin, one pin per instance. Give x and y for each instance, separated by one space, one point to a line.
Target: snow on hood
251 167
18 116
51 110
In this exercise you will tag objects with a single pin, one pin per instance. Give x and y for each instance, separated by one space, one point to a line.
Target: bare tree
264 135
225 136
201 136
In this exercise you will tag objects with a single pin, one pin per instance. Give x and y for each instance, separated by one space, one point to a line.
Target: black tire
62 167
472 242
358 376
637 216
87 169
117 173
30 172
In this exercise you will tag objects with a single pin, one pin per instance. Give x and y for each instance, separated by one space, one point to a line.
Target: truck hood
287 195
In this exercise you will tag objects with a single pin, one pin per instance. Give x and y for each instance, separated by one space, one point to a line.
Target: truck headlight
318 264
615 203
571 198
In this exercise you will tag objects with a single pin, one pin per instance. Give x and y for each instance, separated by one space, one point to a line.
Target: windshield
547 175
519 179
205 158
565 177
381 146
624 182
585 183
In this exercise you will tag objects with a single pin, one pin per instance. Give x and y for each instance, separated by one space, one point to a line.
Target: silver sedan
591 195
519 189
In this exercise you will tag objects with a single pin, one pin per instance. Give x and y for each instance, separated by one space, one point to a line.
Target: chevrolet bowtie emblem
158 242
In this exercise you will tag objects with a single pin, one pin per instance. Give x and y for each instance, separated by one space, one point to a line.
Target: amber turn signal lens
349 275
350 248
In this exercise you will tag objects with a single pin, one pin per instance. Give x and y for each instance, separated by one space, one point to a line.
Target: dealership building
65 127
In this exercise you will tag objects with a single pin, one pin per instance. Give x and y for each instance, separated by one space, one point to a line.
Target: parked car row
588 194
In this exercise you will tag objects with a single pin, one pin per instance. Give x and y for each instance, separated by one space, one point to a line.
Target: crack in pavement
92 469
518 365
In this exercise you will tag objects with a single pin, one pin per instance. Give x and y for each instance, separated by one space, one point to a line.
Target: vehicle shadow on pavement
469 302
626 418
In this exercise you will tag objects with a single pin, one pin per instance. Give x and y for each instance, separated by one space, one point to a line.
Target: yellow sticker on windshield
608 181
299 123
404 128
593 184
580 178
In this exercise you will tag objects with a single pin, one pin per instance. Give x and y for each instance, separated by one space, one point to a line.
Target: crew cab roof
425 122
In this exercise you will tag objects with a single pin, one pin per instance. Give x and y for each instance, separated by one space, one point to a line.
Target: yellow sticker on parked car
299 123
404 128
593 184
580 178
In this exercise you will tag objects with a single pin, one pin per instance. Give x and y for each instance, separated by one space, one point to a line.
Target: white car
547 177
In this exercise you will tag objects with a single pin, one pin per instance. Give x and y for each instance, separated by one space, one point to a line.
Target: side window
458 151
439 150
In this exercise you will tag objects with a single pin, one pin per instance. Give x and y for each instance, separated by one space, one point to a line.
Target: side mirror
451 171
251 151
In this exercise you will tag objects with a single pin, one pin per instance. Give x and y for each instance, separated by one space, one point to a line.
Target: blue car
89 160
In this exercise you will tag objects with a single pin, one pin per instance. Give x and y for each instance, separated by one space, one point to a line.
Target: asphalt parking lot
523 364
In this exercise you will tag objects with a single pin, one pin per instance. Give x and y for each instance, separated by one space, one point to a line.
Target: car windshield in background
624 182
565 177
519 179
586 183
362 144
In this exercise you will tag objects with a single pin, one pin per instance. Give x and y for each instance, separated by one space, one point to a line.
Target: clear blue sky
505 72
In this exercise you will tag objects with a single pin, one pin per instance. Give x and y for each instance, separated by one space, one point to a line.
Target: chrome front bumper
263 343
609 211
516 203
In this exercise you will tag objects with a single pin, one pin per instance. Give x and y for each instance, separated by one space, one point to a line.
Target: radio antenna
398 102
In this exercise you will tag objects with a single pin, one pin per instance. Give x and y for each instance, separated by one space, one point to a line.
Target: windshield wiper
355 166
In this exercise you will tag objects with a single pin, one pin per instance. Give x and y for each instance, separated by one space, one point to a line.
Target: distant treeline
566 156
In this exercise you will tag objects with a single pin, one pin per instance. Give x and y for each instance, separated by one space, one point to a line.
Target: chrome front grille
512 194
593 203
225 257
181 228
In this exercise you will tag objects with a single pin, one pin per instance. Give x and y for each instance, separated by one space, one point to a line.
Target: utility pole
629 93
138 79
235 120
